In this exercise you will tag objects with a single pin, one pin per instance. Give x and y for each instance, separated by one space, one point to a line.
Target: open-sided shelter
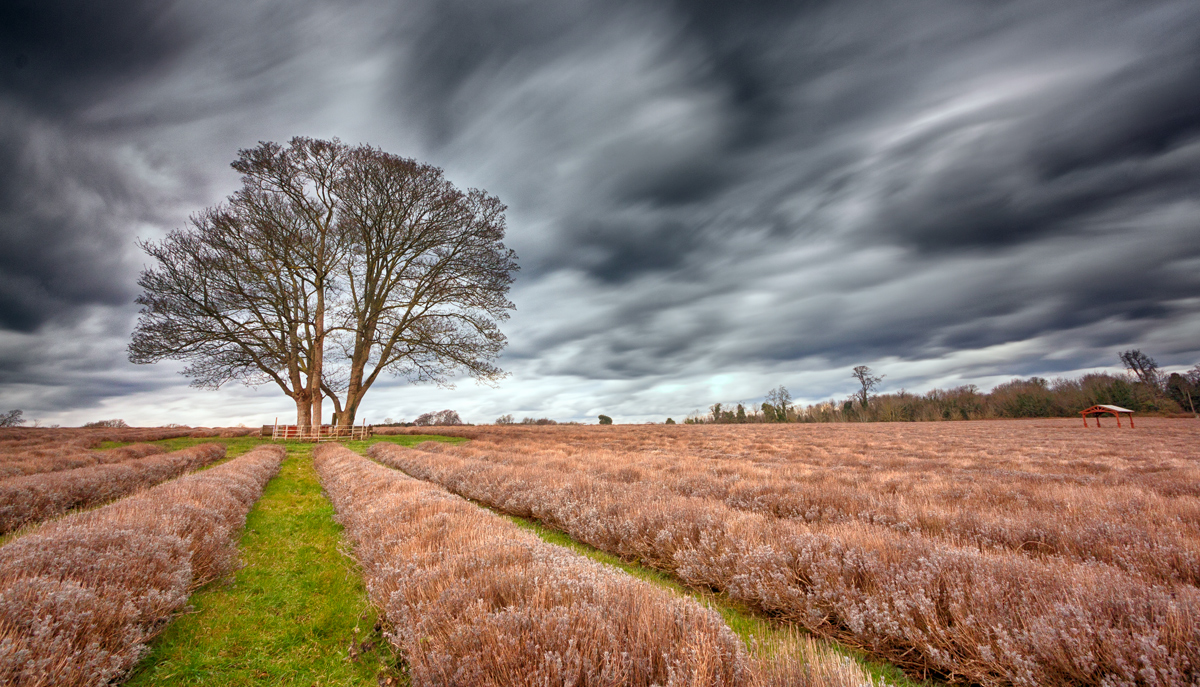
1115 411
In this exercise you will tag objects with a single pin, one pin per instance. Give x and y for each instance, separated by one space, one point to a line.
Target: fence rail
322 433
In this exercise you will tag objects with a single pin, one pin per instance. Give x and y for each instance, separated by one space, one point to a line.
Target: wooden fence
322 433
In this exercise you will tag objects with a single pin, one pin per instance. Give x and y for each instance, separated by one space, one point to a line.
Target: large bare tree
326 243
231 295
426 279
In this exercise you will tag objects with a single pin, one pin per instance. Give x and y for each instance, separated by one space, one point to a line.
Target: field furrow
30 450
1036 506
966 613
475 600
81 597
34 498
58 458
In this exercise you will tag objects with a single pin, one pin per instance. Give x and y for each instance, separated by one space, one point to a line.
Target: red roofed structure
1097 411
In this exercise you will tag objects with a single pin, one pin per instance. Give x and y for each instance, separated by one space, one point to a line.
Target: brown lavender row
18 442
34 498
476 601
80 597
961 500
1161 455
986 617
58 457
29 450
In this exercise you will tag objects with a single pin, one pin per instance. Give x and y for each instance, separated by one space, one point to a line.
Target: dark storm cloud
66 205
699 191
62 212
1095 149
60 55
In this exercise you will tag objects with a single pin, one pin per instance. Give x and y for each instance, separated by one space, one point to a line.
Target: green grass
290 615
233 448
750 626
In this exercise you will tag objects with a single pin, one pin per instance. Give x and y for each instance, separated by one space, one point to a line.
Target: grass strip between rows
234 447
294 613
751 627
83 595
298 609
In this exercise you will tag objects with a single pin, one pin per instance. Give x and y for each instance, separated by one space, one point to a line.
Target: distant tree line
510 420
1144 389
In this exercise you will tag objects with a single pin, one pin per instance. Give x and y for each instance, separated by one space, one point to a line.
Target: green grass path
750 626
291 613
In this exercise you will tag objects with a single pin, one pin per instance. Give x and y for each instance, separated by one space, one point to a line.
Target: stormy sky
708 198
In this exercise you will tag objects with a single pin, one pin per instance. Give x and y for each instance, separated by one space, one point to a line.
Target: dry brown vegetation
474 600
33 498
80 598
69 456
1010 552
30 450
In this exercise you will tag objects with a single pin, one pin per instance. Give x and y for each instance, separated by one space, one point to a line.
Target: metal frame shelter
1115 411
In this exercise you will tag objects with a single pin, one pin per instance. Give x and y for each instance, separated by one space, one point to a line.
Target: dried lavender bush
30 450
81 597
15 441
1080 495
33 498
69 457
971 614
474 600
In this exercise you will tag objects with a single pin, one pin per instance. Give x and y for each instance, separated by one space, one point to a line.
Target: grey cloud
66 211
698 189
61 55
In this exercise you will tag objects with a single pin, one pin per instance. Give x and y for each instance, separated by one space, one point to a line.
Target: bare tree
1143 367
868 380
425 282
376 254
12 418
1192 379
241 294
441 417
781 399
295 189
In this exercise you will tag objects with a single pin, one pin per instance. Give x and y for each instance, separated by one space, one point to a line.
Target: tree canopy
331 265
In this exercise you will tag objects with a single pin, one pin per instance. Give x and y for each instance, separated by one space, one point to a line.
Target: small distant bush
669 421
107 424
389 422
539 421
440 418
605 420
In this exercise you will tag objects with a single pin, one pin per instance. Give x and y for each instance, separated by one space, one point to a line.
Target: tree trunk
318 359
303 411
357 386
345 417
